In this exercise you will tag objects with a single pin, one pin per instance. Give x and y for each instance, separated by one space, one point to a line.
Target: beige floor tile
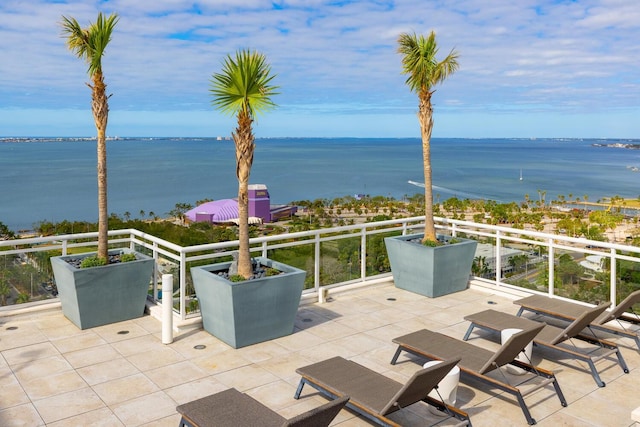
107 371
220 362
276 395
125 388
12 392
41 368
24 415
24 335
102 417
145 409
193 390
246 377
29 353
92 356
136 345
53 384
79 341
175 374
298 341
67 405
262 351
120 331
156 358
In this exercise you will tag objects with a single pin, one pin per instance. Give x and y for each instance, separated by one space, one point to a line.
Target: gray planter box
249 312
430 271
99 296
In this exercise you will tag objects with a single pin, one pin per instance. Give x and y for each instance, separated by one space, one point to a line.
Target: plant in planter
99 292
253 309
414 271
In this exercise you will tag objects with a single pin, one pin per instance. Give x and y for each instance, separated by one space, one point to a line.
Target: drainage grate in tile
200 347
307 320
391 299
123 332
12 328
491 302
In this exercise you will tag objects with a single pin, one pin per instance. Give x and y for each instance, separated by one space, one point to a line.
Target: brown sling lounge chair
551 336
374 395
233 408
567 310
476 362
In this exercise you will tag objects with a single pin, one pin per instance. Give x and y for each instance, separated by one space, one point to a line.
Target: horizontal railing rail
175 259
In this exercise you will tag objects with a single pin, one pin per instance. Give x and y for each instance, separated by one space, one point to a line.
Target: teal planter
430 271
252 311
99 296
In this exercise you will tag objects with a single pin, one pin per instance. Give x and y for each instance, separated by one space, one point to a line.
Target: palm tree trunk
100 110
425 117
245 146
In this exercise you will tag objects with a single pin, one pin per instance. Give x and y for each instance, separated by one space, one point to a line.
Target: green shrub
127 257
236 278
272 271
93 261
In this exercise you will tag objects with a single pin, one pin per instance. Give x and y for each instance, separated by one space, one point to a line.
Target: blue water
56 179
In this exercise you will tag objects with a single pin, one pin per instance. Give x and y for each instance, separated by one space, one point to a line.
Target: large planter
430 271
102 295
252 311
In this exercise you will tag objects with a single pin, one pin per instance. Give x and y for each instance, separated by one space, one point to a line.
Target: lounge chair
567 310
233 408
551 336
374 395
476 362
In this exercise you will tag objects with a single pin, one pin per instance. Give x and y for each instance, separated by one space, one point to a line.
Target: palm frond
89 43
420 64
244 84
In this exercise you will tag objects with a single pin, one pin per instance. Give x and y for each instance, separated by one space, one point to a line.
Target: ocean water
55 179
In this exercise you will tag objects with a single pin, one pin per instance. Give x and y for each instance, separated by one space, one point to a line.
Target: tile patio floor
53 374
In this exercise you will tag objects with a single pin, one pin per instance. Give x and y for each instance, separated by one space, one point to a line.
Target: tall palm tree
424 72
243 88
89 44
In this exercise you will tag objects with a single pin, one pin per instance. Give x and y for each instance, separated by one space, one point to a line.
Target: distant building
226 210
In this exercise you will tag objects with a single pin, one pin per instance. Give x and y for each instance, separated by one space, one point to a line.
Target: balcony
55 374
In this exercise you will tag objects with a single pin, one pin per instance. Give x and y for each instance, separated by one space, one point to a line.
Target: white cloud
332 57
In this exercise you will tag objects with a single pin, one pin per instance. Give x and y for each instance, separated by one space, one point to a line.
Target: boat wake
450 191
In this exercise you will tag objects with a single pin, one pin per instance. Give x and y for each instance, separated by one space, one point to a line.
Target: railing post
363 255
551 260
264 250
183 285
613 277
498 259
155 271
316 265
167 308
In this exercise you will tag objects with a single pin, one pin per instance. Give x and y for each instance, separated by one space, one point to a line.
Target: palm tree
89 44
243 89
419 62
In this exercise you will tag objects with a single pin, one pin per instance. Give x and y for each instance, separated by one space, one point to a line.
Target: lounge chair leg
623 364
395 356
525 410
299 389
563 401
466 335
519 313
595 374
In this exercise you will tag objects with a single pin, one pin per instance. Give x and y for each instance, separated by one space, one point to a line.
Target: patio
54 374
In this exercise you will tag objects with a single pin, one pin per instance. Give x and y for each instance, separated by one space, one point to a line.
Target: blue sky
527 68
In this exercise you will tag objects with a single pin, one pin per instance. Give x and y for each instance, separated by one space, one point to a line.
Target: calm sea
55 179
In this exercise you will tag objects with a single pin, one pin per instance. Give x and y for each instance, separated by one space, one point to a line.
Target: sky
528 68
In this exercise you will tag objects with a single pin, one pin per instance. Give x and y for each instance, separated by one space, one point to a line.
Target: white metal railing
168 254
